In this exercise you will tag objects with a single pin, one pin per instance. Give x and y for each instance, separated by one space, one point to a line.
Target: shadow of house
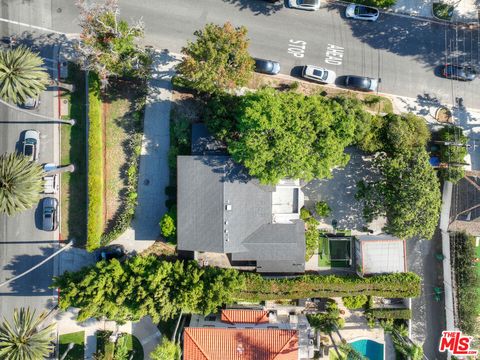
465 209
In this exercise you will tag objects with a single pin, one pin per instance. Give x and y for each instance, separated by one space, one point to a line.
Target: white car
31 144
318 74
50 185
362 12
309 5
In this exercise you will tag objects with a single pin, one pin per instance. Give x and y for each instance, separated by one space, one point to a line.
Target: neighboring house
380 254
465 209
248 335
222 210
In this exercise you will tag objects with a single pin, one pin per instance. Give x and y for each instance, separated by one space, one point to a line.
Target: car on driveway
456 72
267 66
31 144
49 214
362 83
309 5
362 12
111 252
318 74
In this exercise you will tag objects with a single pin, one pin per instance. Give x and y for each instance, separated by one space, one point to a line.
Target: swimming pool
368 348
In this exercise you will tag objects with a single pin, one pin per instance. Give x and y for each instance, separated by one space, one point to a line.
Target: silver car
49 214
31 144
309 5
362 12
318 74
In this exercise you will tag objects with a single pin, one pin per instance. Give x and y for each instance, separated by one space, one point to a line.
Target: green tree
355 302
20 183
290 135
144 286
21 75
408 194
167 350
167 226
217 60
109 45
328 322
453 155
322 209
26 338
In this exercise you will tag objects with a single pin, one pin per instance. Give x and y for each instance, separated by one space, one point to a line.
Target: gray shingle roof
221 209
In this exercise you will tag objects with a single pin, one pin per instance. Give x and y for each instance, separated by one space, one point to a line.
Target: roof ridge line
283 347
196 344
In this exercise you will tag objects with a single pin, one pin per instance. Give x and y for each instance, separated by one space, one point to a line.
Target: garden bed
442 11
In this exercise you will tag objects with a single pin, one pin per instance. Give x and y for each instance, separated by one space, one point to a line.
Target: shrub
322 209
401 314
399 285
355 302
305 214
95 221
443 11
377 3
453 155
168 226
311 242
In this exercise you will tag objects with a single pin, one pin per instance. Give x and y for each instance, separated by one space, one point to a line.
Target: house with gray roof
221 209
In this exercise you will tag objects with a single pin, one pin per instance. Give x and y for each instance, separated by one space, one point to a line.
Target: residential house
221 209
248 334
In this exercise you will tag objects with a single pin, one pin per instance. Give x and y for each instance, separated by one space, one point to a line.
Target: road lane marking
297 48
334 54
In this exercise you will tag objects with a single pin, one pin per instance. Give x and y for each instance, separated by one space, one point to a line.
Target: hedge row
402 314
398 285
95 223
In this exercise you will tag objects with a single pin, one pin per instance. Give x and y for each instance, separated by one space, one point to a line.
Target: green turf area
77 352
340 252
324 252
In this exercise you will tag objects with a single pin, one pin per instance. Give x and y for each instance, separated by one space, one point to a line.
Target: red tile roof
239 344
238 316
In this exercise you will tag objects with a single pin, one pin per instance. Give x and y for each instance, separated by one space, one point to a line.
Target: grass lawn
108 349
73 186
324 252
77 352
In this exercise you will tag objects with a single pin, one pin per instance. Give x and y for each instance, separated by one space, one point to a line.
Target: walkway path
465 11
154 172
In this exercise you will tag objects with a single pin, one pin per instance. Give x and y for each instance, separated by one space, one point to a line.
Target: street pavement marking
297 48
334 54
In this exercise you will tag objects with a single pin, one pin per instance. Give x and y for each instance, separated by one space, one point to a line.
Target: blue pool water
369 348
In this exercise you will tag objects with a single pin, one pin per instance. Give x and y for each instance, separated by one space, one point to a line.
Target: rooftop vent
228 207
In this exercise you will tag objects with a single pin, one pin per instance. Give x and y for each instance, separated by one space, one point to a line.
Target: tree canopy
279 135
108 44
408 190
166 350
21 75
218 59
143 286
452 153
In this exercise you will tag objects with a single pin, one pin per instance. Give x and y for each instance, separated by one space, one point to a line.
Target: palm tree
21 75
329 322
20 183
24 339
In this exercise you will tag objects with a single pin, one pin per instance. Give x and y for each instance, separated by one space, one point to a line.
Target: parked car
267 66
31 103
318 74
50 182
111 252
458 72
362 12
361 83
31 144
49 214
309 5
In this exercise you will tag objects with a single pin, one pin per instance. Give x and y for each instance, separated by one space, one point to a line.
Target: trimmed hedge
398 285
402 314
95 223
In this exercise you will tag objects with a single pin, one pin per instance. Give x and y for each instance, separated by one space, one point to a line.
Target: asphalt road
403 52
22 244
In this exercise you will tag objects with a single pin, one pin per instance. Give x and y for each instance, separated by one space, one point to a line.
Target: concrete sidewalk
465 11
154 174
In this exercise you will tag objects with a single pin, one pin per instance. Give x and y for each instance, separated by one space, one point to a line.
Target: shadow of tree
258 7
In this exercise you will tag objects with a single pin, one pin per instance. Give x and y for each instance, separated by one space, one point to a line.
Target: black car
111 252
267 66
458 73
361 83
